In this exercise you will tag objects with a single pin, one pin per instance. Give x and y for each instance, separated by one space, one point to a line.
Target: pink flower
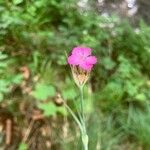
81 56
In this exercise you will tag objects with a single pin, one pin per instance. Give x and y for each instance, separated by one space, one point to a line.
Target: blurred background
35 36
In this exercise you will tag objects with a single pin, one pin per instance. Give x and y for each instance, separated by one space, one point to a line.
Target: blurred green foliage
22 146
38 34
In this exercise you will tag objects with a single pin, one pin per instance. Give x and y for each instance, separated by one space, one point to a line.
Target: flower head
81 62
81 56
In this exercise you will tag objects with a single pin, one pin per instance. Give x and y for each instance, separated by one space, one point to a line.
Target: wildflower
81 62
81 56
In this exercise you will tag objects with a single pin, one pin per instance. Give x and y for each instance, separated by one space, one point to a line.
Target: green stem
85 141
82 103
74 116
78 112
81 120
83 132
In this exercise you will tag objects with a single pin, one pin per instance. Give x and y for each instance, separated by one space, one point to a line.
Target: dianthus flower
81 62
81 56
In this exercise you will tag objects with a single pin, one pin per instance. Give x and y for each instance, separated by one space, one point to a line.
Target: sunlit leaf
16 2
49 109
22 146
43 91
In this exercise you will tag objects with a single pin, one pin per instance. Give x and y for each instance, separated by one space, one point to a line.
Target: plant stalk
83 132
81 120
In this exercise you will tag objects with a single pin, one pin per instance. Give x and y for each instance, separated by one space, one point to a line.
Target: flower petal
85 66
82 51
86 51
73 60
91 60
76 51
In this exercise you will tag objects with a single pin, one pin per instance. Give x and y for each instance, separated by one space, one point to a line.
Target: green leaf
16 79
49 109
4 86
62 110
140 97
131 88
43 91
69 93
22 146
16 2
108 63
